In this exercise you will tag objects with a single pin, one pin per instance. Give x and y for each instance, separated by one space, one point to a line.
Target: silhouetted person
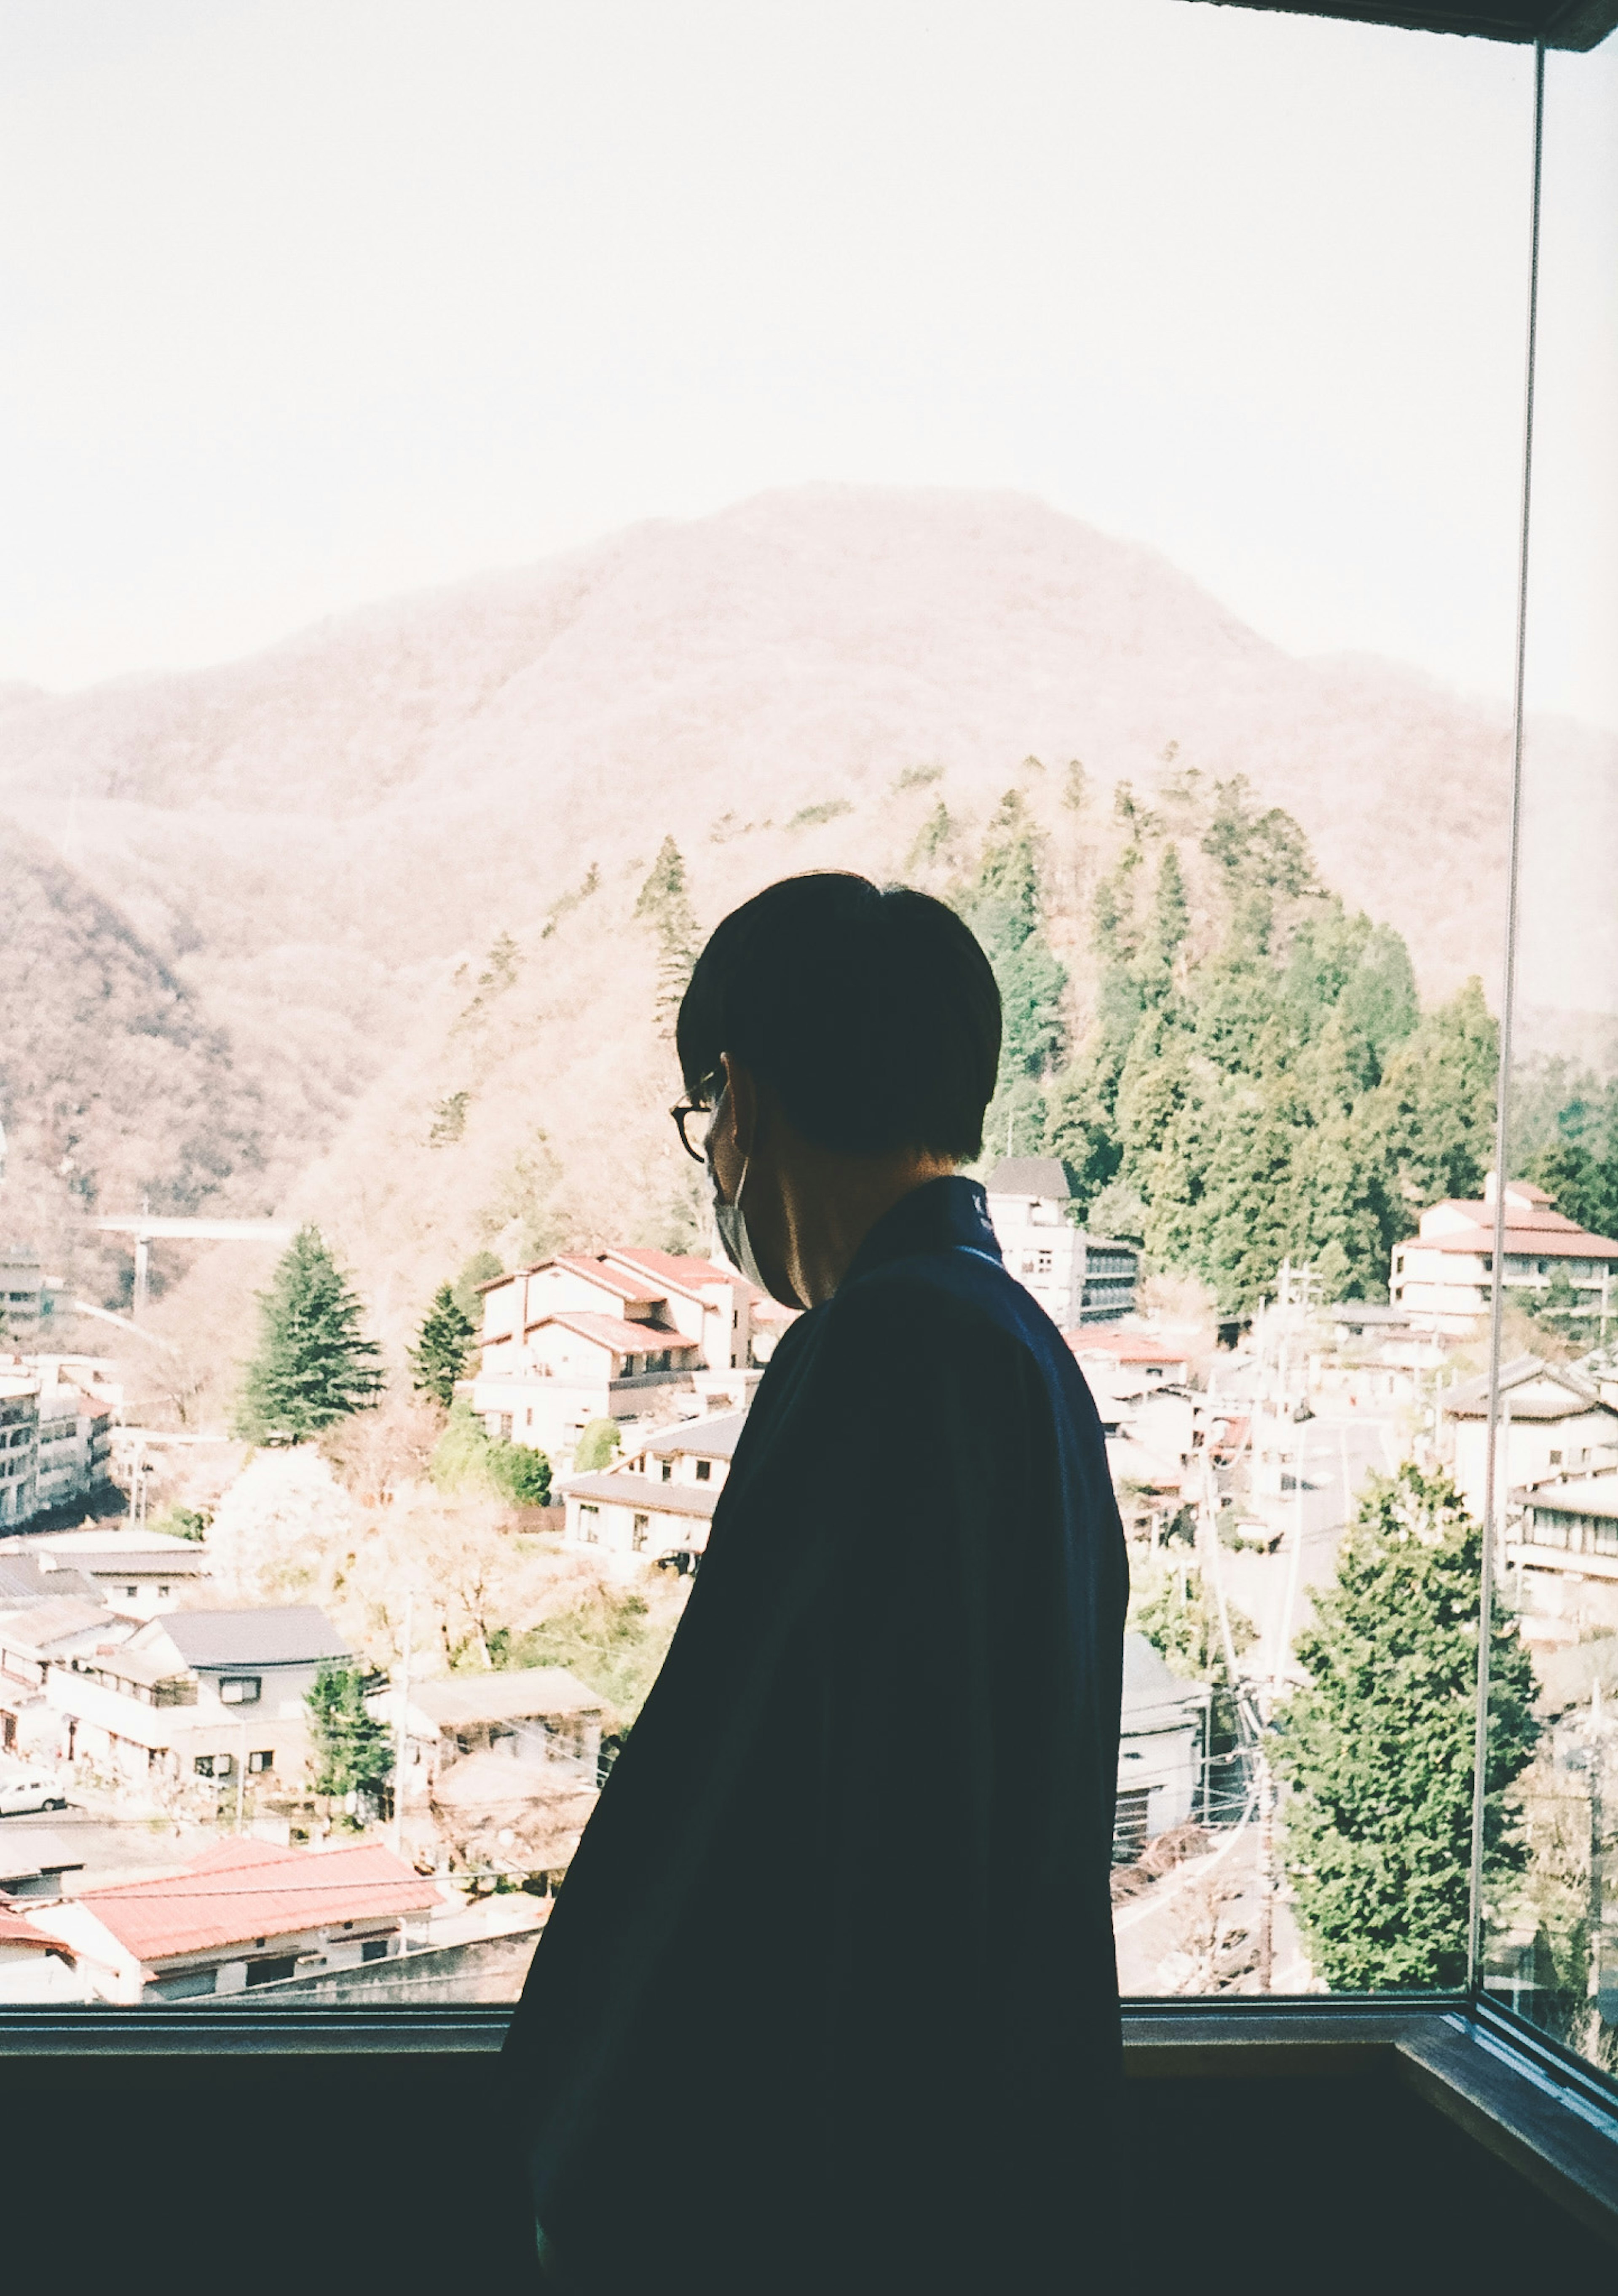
828 2001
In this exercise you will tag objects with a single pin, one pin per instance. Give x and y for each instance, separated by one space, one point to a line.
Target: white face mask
731 1222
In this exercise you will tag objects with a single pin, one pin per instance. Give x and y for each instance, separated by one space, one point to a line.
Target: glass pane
1551 1949
1157 368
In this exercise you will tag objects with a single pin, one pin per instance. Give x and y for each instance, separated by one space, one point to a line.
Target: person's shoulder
935 1304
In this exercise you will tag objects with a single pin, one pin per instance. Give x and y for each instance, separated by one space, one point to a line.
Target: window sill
1518 2099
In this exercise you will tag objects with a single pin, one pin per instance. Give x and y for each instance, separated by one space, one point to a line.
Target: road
1338 1453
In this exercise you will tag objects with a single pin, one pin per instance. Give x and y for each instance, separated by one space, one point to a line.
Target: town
227 1775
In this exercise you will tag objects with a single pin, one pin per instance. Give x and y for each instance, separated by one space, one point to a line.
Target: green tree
1585 1185
353 1750
467 1457
597 1447
1003 907
664 903
482 1268
315 1364
443 1347
1377 1748
1437 1109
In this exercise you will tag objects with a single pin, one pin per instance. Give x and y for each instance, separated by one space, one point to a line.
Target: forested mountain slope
326 848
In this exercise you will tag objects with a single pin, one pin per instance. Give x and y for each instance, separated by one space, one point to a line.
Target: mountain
310 858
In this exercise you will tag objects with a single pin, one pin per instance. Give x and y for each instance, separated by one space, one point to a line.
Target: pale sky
303 304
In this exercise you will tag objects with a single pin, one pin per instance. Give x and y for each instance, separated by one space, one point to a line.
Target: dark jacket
828 1999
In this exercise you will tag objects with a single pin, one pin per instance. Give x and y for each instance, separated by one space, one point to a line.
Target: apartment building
1077 1278
1443 1276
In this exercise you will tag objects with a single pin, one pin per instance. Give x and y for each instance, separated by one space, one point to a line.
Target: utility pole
1595 1760
401 1741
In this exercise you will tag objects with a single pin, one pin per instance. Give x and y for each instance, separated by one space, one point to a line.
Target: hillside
318 848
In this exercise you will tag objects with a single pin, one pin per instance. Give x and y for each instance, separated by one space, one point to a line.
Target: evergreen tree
443 1347
1378 1749
482 1268
314 1364
353 1750
1585 1187
664 904
1003 908
1437 1111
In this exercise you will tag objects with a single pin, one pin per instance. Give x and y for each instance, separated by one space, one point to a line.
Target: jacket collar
934 1218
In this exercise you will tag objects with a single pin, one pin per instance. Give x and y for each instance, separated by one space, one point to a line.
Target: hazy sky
304 303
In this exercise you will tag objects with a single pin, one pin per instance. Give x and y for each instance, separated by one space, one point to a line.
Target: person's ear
743 1102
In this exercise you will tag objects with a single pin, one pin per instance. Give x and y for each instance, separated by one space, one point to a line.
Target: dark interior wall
317 2174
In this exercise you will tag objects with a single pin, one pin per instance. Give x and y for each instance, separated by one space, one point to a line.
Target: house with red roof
618 1334
34 1968
243 1914
1443 1276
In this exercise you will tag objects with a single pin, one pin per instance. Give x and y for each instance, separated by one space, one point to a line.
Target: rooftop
23 1579
1573 1396
1029 1176
291 1633
240 1890
697 1500
123 1550
713 1438
1125 1346
1574 1495
521 1694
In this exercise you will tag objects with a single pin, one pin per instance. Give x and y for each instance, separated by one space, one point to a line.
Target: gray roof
713 1438
289 1634
1029 1176
23 1856
1470 1399
35 1625
518 1694
1594 1495
22 1581
1148 1682
643 1495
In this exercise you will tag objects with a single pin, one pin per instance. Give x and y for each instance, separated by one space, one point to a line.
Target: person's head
847 1039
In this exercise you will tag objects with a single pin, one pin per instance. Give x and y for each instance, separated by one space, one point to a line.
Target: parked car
23 1790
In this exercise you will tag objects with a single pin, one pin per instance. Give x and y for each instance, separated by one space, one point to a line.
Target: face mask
731 1222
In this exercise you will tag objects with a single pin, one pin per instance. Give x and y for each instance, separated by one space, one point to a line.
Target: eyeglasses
693 1114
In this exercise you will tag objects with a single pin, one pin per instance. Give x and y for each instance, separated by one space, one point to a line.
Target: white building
1562 1553
1444 1277
137 1573
611 1335
659 1500
1076 1278
24 1298
19 1446
1552 1423
75 1436
1163 1749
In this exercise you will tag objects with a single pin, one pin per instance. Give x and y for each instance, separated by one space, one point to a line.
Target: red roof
613 1332
596 1271
1544 1235
1128 1346
14 1930
239 1890
680 1270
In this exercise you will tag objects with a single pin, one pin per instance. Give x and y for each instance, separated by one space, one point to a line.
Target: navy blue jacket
828 1999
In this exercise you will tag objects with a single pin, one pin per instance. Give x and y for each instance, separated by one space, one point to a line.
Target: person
828 2001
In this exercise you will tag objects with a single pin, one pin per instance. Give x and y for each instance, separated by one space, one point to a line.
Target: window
638 1533
705 1470
666 1471
215 1766
240 1689
264 1760
589 1524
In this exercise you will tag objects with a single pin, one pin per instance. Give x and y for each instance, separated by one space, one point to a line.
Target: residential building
243 1914
1552 1423
25 1299
18 1445
36 1971
1129 1363
1443 1276
75 1436
32 1640
25 1577
1076 1278
194 1699
32 1864
1562 1557
659 1500
612 1335
529 1715
137 1573
1163 1749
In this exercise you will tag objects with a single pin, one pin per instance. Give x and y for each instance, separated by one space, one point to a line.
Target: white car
29 1789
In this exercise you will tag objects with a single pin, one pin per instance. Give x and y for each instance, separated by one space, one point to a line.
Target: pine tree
664 904
353 1750
1438 1099
1378 1749
314 1364
443 1347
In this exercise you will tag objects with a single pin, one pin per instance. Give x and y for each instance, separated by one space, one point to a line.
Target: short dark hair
873 1014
